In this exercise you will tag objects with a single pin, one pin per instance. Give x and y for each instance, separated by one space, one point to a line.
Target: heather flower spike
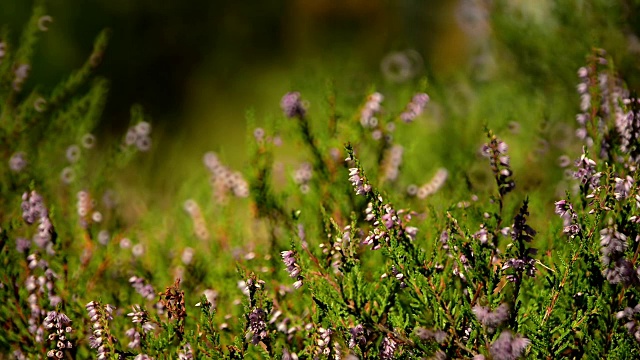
415 107
508 346
491 319
101 338
59 327
496 151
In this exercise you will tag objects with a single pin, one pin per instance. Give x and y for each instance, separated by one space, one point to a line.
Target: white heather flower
258 134
43 22
143 128
143 143
401 66
415 107
187 255
21 73
191 207
125 243
96 216
137 250
18 161
212 296
103 237
40 104
131 137
73 153
88 141
210 160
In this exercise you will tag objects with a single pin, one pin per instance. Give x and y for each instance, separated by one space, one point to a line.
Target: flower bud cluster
138 316
627 124
564 209
617 268
37 287
33 209
86 211
59 326
399 276
302 176
388 348
391 163
185 353
391 220
370 109
491 319
283 325
199 224
142 287
259 135
338 249
586 172
632 326
358 337
323 342
21 73
601 97
507 346
415 107
623 187
139 135
224 180
427 334
359 182
482 235
431 187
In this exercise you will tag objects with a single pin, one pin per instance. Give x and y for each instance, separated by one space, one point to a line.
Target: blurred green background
197 66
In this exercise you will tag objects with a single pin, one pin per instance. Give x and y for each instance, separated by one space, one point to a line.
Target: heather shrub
478 217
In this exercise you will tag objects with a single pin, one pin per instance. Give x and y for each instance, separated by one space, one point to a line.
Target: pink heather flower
257 325
292 106
288 257
370 109
88 141
142 128
21 73
18 161
358 183
491 319
387 348
142 287
59 326
508 347
415 107
43 22
73 153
